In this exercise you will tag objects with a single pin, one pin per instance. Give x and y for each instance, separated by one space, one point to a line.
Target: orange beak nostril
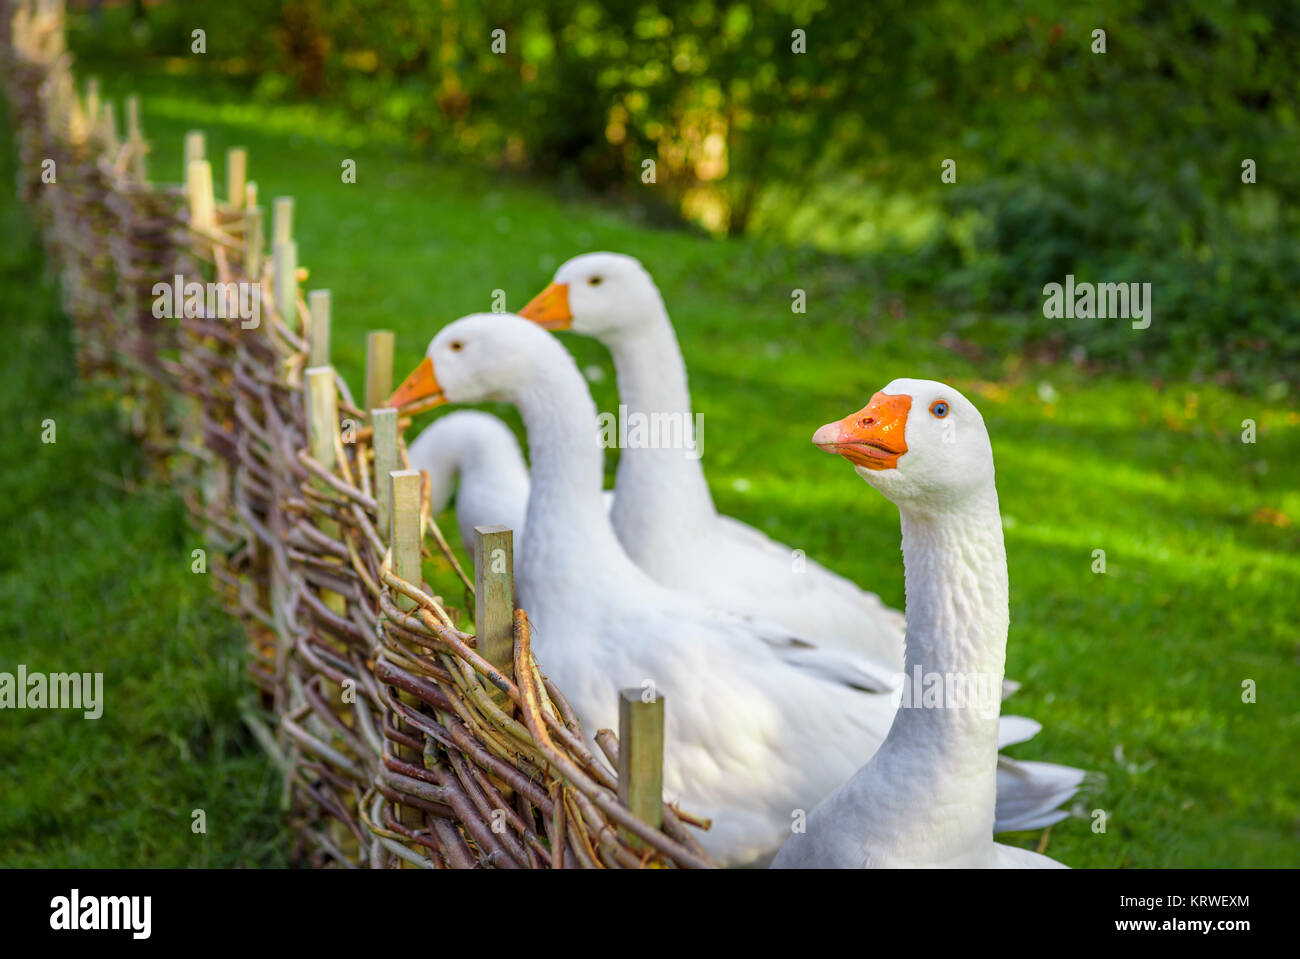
873 437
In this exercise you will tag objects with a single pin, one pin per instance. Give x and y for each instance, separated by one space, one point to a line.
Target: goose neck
648 362
957 589
662 440
940 756
566 515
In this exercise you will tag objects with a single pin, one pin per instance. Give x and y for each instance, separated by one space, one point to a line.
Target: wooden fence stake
284 258
195 149
322 442
641 758
318 307
207 198
135 137
108 128
404 530
133 118
76 120
404 535
253 240
322 414
92 100
236 173
379 367
384 443
198 186
494 599
282 220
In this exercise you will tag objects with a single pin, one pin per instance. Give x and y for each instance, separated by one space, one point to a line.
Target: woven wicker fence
402 739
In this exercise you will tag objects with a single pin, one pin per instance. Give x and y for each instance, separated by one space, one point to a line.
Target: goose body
664 513
474 457
760 724
926 797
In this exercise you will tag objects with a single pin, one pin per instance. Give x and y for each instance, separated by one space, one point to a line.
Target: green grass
95 577
1135 674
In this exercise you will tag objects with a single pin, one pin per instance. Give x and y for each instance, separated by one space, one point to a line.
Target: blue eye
939 408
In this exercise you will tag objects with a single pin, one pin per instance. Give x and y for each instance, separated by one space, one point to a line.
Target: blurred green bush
1223 275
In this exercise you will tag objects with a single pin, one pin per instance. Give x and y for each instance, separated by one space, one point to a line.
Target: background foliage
1122 166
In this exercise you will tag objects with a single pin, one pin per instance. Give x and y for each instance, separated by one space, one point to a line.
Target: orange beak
550 308
871 437
420 385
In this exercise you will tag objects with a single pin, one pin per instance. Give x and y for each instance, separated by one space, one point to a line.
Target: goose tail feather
1029 793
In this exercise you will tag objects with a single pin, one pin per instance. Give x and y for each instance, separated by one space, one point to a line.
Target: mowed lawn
1136 673
95 576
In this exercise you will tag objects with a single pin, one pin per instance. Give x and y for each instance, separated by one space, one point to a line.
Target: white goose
664 514
926 798
476 457
759 723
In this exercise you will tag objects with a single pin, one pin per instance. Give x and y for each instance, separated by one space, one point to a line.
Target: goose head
921 443
603 295
480 358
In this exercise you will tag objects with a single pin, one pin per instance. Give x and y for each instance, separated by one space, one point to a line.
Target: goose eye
456 346
596 281
939 408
